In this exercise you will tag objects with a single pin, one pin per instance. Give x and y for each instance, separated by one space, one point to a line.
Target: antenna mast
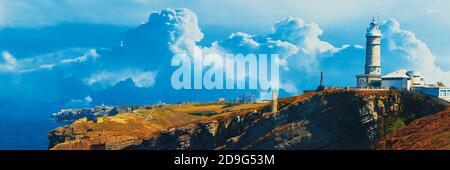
378 18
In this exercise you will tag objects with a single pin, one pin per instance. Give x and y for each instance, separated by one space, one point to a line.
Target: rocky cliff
332 119
70 115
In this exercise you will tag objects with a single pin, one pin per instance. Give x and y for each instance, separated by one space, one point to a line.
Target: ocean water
26 127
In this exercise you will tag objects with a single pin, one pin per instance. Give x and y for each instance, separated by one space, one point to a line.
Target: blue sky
70 53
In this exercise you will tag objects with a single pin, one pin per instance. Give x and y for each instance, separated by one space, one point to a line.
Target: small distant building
440 92
398 80
402 80
416 78
246 98
221 100
413 81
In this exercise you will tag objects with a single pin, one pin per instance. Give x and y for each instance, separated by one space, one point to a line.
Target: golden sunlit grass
144 123
247 106
195 108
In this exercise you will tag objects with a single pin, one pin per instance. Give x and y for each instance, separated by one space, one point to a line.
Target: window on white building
442 93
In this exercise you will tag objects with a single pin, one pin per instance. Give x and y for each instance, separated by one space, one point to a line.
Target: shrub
394 124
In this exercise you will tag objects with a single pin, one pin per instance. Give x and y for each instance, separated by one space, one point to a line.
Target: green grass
394 124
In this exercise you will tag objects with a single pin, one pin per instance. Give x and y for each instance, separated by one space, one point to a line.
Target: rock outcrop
70 115
332 119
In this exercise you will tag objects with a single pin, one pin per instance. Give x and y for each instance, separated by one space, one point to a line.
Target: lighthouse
372 73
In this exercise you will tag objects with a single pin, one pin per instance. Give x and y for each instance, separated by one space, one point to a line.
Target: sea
25 127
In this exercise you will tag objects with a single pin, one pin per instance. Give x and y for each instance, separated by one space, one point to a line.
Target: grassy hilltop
332 119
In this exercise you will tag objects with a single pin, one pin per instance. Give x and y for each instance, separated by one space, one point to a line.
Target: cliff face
334 119
71 115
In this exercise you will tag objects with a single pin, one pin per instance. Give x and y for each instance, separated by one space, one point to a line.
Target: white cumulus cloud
297 42
9 64
45 61
79 103
89 54
417 52
105 79
306 37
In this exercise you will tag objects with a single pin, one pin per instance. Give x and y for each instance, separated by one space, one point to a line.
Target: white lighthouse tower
372 74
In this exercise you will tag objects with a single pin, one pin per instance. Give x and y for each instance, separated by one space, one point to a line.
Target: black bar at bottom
224 159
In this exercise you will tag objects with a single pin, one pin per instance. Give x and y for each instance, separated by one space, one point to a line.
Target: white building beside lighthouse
398 80
372 74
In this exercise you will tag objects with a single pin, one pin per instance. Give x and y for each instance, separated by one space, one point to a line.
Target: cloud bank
138 70
45 61
414 51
